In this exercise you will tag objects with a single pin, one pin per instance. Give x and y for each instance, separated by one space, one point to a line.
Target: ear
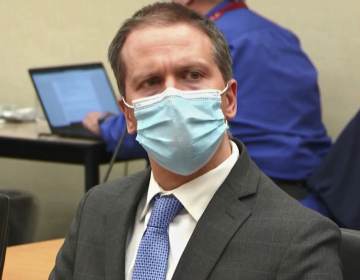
229 100
130 119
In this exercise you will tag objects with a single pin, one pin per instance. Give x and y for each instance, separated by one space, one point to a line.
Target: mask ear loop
221 93
127 104
225 89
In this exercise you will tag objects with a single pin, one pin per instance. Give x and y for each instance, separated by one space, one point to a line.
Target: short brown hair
164 14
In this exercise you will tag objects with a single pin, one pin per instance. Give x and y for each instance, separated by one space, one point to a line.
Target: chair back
4 218
350 253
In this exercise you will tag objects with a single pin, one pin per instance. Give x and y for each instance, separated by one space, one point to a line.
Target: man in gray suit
203 210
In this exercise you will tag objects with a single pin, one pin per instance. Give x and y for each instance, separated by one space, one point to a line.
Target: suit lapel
118 223
226 213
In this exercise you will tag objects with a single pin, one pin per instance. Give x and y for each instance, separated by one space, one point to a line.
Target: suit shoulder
104 194
285 209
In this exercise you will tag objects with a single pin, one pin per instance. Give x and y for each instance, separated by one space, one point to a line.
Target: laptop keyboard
76 130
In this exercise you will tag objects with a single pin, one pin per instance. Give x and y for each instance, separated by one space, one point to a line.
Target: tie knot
165 209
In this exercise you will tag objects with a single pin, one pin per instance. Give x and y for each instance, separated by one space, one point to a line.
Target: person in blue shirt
279 112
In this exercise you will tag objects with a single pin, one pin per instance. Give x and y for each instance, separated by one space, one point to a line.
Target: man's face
179 56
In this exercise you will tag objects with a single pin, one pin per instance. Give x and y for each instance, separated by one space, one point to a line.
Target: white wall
46 32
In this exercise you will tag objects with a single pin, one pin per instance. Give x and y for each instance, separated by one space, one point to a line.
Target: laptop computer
68 93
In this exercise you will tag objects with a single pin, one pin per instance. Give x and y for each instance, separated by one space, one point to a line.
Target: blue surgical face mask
180 130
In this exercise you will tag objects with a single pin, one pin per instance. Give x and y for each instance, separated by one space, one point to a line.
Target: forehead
180 40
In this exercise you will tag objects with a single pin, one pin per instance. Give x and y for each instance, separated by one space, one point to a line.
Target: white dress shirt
194 196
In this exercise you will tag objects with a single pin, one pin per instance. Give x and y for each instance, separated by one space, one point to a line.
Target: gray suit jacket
250 230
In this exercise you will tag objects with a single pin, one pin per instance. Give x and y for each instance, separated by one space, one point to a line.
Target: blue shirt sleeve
111 130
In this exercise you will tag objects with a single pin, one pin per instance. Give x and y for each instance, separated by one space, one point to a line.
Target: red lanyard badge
229 7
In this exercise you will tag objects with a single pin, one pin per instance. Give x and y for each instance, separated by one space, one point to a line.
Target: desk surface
22 141
32 261
35 131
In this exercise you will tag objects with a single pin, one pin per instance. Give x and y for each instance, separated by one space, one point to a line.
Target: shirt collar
196 194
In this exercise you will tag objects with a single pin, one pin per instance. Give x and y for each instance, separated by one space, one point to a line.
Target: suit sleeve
65 260
313 253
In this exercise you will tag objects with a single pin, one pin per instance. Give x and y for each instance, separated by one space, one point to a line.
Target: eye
193 75
151 82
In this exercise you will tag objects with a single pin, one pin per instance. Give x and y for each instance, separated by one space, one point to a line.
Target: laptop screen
68 93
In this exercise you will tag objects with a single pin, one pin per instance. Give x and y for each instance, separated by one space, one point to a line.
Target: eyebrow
145 74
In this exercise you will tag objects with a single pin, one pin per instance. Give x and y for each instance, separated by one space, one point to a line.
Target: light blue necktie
152 256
